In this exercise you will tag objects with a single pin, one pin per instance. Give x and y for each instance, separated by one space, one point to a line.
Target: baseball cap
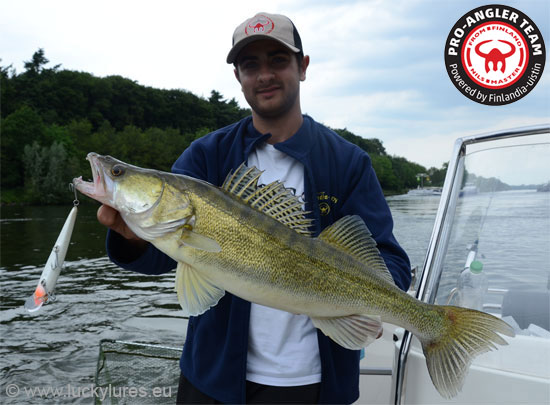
265 26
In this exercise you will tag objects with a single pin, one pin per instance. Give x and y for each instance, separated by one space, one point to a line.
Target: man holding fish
242 352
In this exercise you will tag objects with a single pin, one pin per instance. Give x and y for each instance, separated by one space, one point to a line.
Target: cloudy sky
377 66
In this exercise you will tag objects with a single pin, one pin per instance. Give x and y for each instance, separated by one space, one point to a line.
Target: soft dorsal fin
351 235
272 199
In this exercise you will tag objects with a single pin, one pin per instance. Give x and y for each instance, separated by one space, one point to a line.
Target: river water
58 345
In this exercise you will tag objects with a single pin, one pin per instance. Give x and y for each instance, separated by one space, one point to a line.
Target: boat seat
528 307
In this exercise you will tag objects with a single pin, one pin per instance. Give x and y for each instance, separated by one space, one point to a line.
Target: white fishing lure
46 285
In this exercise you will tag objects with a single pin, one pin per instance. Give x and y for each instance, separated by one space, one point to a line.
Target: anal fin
353 331
196 294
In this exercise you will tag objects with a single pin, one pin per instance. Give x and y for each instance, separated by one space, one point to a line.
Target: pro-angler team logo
495 55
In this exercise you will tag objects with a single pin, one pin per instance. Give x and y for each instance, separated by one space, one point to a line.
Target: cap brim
234 52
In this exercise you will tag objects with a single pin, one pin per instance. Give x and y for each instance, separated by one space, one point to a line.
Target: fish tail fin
467 334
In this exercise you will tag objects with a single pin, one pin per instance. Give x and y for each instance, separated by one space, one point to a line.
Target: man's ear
303 67
236 71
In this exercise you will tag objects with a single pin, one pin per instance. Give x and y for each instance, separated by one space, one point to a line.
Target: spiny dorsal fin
351 235
272 199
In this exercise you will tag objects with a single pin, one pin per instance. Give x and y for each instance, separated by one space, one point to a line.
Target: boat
393 369
468 189
420 190
425 191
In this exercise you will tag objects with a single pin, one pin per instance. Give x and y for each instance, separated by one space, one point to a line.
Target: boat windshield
500 233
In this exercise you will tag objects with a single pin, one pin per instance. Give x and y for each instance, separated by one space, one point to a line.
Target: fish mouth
97 188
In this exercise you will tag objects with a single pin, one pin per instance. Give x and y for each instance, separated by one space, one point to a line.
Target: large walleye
255 243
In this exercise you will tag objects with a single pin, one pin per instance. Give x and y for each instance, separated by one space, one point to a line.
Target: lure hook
76 202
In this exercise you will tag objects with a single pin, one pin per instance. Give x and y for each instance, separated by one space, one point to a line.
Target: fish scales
260 248
316 274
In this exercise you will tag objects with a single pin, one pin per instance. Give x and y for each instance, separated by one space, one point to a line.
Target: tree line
51 118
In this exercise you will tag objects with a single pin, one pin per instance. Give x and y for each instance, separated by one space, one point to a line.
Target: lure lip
37 299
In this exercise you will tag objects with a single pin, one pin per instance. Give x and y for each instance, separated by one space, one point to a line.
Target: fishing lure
44 292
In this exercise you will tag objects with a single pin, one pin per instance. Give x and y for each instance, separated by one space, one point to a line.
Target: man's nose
265 74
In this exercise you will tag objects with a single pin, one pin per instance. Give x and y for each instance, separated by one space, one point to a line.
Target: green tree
225 112
7 90
80 113
37 63
372 146
22 127
382 166
46 173
437 176
406 172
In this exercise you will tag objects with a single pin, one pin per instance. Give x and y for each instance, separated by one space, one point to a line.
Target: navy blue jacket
339 180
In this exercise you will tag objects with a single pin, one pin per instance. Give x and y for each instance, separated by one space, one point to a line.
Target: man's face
270 77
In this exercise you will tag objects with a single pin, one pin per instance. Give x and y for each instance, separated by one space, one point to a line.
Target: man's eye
279 60
249 65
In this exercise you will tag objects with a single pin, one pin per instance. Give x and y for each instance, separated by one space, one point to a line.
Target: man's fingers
107 215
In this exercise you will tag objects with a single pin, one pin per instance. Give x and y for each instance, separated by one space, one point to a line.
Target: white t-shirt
282 347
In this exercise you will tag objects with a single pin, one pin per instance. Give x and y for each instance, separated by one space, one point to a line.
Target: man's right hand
111 218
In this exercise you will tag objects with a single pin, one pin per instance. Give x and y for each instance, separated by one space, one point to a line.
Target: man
240 352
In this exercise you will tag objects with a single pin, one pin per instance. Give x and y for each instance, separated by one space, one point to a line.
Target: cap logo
260 24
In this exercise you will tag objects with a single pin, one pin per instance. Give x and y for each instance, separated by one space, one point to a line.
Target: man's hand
111 218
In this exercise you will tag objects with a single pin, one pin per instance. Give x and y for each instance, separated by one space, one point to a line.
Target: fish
256 243
44 292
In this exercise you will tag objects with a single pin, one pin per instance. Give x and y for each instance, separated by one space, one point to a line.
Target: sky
377 66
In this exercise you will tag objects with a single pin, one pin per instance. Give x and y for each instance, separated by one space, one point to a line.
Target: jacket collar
252 137
297 146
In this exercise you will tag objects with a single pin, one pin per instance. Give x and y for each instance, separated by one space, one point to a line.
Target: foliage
406 172
372 146
51 118
396 174
437 176
21 128
46 174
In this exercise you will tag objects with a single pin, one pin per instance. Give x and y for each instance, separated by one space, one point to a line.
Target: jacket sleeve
364 197
153 261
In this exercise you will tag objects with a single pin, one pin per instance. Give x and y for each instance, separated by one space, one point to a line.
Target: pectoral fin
157 230
198 241
196 294
352 332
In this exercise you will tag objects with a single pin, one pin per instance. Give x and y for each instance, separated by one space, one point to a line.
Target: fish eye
117 170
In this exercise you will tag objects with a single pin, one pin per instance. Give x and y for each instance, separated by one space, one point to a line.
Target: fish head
128 189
